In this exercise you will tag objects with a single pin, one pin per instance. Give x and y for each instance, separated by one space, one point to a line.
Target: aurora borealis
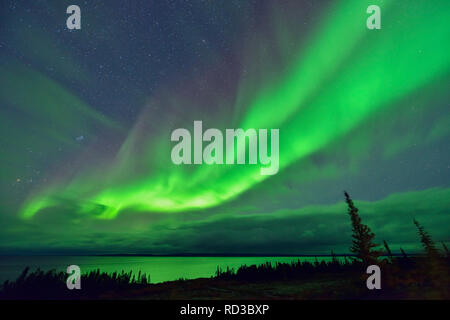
86 118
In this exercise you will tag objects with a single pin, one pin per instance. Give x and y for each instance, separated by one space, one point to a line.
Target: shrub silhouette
286 271
52 284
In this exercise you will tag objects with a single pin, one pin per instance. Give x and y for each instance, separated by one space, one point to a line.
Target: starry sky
86 117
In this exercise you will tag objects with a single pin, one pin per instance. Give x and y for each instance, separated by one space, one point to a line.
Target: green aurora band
343 76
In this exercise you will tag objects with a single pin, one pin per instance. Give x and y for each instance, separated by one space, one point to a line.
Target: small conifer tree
388 250
362 243
427 241
334 259
405 256
446 249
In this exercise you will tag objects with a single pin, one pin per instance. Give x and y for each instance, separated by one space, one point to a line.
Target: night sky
86 118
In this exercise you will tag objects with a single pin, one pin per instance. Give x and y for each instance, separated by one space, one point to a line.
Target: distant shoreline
200 255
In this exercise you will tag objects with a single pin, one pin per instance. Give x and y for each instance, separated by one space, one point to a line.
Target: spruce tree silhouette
404 255
446 250
436 272
362 246
427 242
334 259
388 251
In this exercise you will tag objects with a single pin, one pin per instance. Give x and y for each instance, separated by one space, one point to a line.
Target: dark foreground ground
401 278
320 288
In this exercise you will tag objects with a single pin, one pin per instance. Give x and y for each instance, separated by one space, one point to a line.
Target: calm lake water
160 268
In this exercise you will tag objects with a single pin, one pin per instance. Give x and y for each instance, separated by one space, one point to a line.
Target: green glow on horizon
344 76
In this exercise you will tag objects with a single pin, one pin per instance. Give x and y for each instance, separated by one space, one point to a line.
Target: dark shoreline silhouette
405 278
424 276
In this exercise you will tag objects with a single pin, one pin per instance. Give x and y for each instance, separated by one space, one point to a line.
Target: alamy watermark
74 278
374 280
235 147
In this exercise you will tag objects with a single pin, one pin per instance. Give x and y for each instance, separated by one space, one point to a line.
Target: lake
160 268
